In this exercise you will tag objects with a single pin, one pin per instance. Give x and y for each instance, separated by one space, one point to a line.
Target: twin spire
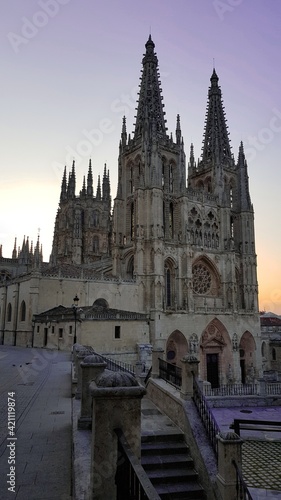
150 116
216 145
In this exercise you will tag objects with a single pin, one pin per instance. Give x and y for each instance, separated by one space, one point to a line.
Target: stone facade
181 252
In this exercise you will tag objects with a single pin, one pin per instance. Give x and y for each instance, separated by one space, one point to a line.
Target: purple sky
70 70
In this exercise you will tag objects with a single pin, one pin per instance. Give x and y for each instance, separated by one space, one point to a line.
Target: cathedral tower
83 223
151 182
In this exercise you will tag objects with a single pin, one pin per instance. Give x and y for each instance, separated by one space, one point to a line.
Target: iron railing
255 425
132 482
242 491
206 415
232 390
170 373
117 366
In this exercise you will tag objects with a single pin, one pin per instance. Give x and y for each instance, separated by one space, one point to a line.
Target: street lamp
75 307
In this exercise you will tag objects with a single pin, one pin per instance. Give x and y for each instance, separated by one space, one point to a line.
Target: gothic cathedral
178 248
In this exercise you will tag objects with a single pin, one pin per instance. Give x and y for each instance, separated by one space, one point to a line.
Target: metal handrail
206 415
131 479
170 373
242 490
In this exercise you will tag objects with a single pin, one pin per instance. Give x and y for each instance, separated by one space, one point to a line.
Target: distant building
178 249
271 345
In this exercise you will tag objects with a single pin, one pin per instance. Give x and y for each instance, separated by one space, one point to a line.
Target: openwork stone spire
216 146
150 108
243 187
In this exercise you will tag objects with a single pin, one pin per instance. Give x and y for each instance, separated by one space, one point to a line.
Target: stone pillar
229 449
75 350
262 387
189 371
116 405
80 355
91 367
157 352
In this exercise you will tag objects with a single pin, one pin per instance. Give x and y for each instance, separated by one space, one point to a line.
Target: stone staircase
169 466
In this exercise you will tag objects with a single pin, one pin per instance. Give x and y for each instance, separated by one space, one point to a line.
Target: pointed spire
124 133
243 183
63 193
14 254
98 195
192 163
90 180
72 182
178 130
150 107
83 190
216 144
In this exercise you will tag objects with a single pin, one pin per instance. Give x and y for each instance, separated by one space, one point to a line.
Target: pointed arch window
130 268
23 311
132 221
96 244
163 174
9 312
171 178
231 196
169 284
164 219
132 188
171 221
96 218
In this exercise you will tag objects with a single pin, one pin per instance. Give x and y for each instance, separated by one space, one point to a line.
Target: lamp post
75 307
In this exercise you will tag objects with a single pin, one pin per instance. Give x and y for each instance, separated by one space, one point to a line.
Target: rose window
202 279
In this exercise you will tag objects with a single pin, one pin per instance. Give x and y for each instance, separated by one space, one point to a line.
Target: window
171 221
9 312
60 333
96 217
132 222
38 329
273 354
168 288
22 311
96 244
70 329
53 329
117 332
171 178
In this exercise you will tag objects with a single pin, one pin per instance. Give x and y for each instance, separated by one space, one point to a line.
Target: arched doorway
176 347
247 348
216 354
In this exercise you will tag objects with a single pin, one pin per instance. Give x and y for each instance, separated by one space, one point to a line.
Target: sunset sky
70 70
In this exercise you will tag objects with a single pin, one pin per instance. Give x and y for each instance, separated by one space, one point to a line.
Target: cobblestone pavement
261 464
41 383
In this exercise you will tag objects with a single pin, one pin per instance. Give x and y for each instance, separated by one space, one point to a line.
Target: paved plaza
40 384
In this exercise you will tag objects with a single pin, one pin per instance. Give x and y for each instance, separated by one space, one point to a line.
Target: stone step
161 448
160 438
165 461
184 490
178 474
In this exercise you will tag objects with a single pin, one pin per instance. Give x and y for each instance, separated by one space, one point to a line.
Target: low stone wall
184 414
243 401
